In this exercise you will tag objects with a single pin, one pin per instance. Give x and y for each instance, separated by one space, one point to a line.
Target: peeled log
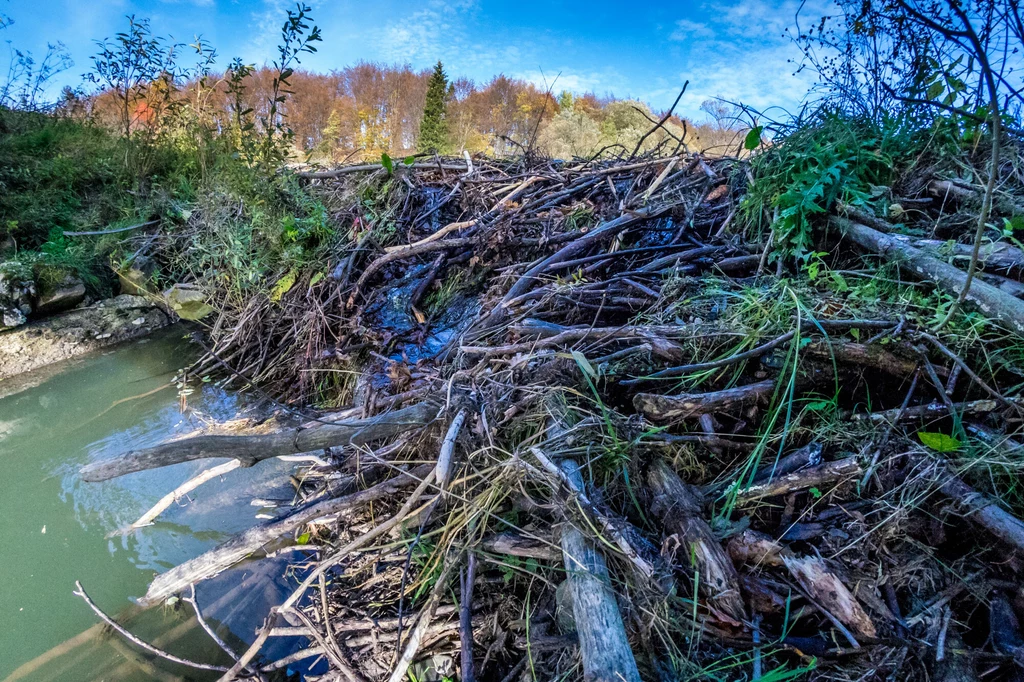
239 547
663 408
602 636
679 507
990 301
252 449
811 573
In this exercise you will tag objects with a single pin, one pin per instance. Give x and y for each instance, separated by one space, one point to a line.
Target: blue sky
730 48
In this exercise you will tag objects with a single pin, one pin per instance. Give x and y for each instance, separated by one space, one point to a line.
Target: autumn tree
434 126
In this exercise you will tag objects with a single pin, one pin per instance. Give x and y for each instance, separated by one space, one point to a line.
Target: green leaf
303 539
388 164
939 442
819 405
316 279
282 286
584 364
935 89
815 493
409 160
753 139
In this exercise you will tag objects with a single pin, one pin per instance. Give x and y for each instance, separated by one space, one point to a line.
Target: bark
992 302
680 509
604 647
239 547
252 449
663 408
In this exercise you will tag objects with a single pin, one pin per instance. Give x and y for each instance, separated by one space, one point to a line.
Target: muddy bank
77 332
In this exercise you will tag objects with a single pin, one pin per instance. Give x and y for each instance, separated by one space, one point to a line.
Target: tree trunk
990 301
252 449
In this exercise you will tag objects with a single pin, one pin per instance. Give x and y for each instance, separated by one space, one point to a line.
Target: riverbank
74 333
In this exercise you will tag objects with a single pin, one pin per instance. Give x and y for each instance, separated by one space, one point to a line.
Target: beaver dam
576 420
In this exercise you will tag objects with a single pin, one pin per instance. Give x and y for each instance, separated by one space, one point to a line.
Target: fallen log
994 255
946 189
992 302
663 408
252 449
604 647
680 509
812 477
811 573
984 511
236 549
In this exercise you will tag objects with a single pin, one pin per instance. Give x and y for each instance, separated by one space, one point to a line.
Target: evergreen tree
434 127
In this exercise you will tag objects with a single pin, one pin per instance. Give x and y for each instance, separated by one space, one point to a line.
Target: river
56 529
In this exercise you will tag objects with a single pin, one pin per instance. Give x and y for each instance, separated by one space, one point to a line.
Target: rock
17 289
77 332
188 303
55 296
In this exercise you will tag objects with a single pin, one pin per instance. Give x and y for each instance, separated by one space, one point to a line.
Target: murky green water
54 527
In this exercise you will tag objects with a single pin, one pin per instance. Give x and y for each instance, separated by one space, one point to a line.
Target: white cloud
687 29
599 82
268 21
746 53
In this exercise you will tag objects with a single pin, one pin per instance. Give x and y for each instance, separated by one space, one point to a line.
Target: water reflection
54 527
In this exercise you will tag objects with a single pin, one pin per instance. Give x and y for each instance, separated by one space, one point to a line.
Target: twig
93 233
80 592
416 637
467 579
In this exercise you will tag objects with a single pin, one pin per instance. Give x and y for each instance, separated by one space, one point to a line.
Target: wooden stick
115 230
252 449
468 579
184 489
369 167
986 512
426 615
816 476
576 487
446 230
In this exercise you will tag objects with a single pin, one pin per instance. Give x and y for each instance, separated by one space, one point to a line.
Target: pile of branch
639 454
